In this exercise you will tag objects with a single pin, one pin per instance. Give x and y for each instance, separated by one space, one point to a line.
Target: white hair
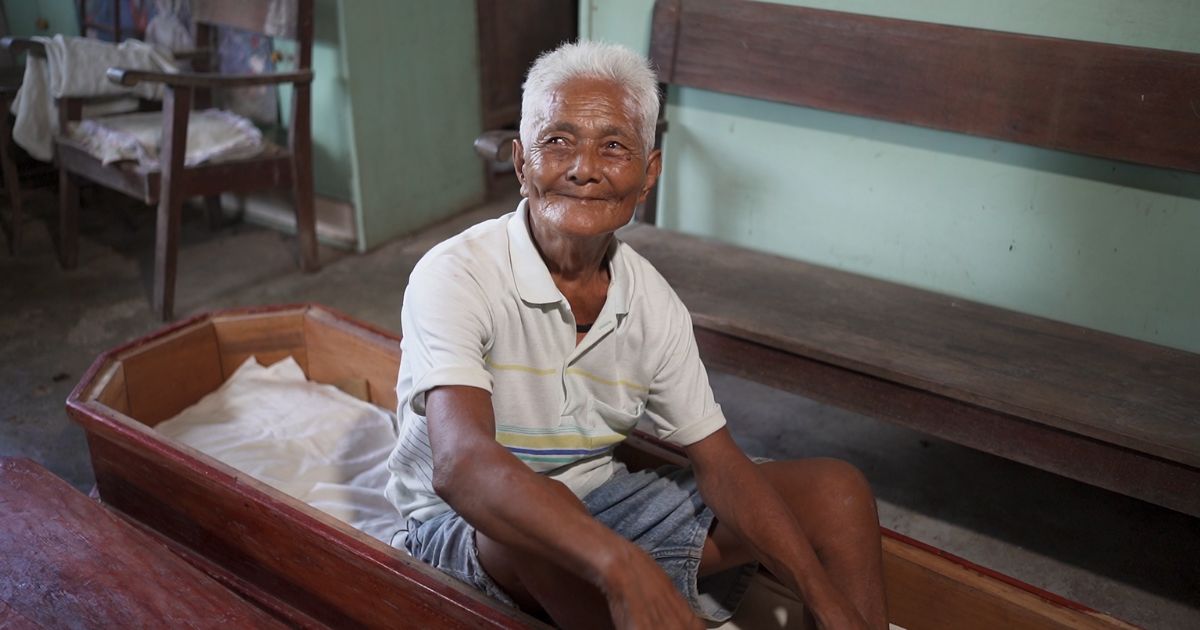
593 60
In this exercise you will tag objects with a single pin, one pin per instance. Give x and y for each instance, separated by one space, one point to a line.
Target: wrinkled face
587 169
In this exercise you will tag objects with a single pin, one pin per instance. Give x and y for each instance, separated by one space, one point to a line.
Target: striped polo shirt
482 310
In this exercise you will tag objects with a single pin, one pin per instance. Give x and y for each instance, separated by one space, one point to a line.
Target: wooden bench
1099 408
67 561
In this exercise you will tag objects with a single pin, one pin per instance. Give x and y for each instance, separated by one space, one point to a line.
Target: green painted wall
1098 243
412 79
23 14
332 156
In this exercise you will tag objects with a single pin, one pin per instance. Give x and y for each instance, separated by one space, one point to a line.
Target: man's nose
585 168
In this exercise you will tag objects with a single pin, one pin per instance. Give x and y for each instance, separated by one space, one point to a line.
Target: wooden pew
1107 410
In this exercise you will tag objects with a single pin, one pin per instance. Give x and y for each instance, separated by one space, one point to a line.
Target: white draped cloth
308 440
75 67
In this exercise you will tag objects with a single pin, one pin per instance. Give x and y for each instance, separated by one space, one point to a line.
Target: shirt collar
533 280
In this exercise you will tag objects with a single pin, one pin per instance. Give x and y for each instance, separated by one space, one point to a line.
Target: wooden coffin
310 569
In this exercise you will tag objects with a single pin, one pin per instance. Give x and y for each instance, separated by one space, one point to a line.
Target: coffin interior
154 381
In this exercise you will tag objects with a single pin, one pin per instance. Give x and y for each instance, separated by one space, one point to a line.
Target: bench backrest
1133 104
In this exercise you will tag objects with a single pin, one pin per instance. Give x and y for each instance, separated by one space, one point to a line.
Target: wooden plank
241 176
340 350
269 336
936 593
311 561
1120 102
69 562
165 375
1129 472
139 185
110 388
1114 389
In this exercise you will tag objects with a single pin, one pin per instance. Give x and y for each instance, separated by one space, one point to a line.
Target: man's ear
653 170
518 160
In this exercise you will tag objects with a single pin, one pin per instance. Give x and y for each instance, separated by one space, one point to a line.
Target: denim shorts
659 510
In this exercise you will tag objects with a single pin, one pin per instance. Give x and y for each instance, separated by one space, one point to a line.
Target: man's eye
614 146
555 140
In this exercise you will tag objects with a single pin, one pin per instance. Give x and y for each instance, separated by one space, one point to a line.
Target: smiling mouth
578 197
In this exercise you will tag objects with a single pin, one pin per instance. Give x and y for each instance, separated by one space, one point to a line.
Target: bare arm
745 501
509 503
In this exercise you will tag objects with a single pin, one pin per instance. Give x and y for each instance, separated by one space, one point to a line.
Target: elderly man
532 345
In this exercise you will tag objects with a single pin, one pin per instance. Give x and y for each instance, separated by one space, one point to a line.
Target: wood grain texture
1092 461
122 177
1139 105
68 562
110 388
209 80
512 33
982 361
268 336
930 592
177 105
339 350
172 372
271 547
300 556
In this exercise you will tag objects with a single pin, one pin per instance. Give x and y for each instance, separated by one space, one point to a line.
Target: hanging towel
76 66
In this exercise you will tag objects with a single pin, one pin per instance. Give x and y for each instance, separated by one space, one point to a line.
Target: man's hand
641 597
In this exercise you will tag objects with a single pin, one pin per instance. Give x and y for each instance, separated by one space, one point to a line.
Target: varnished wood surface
66 562
172 372
1085 459
340 350
128 77
1120 102
512 33
1114 389
302 558
932 592
269 337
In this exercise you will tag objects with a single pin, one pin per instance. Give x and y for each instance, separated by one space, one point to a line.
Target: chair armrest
126 77
17 45
496 145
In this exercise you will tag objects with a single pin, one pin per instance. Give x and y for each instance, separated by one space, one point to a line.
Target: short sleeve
681 405
447 327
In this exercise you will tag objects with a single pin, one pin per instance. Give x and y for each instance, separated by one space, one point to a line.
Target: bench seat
1106 410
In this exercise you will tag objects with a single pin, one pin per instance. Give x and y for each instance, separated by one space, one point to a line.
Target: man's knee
830 486
846 483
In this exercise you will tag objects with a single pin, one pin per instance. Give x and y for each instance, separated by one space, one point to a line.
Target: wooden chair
171 183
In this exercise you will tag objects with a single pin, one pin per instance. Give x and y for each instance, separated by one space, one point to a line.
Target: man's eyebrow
614 130
572 128
561 125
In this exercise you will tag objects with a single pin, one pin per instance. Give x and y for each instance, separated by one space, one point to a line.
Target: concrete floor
1136 561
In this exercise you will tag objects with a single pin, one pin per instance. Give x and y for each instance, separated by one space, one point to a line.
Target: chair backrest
289 19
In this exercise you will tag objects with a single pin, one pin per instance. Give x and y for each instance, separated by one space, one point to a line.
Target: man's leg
835 507
537 585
